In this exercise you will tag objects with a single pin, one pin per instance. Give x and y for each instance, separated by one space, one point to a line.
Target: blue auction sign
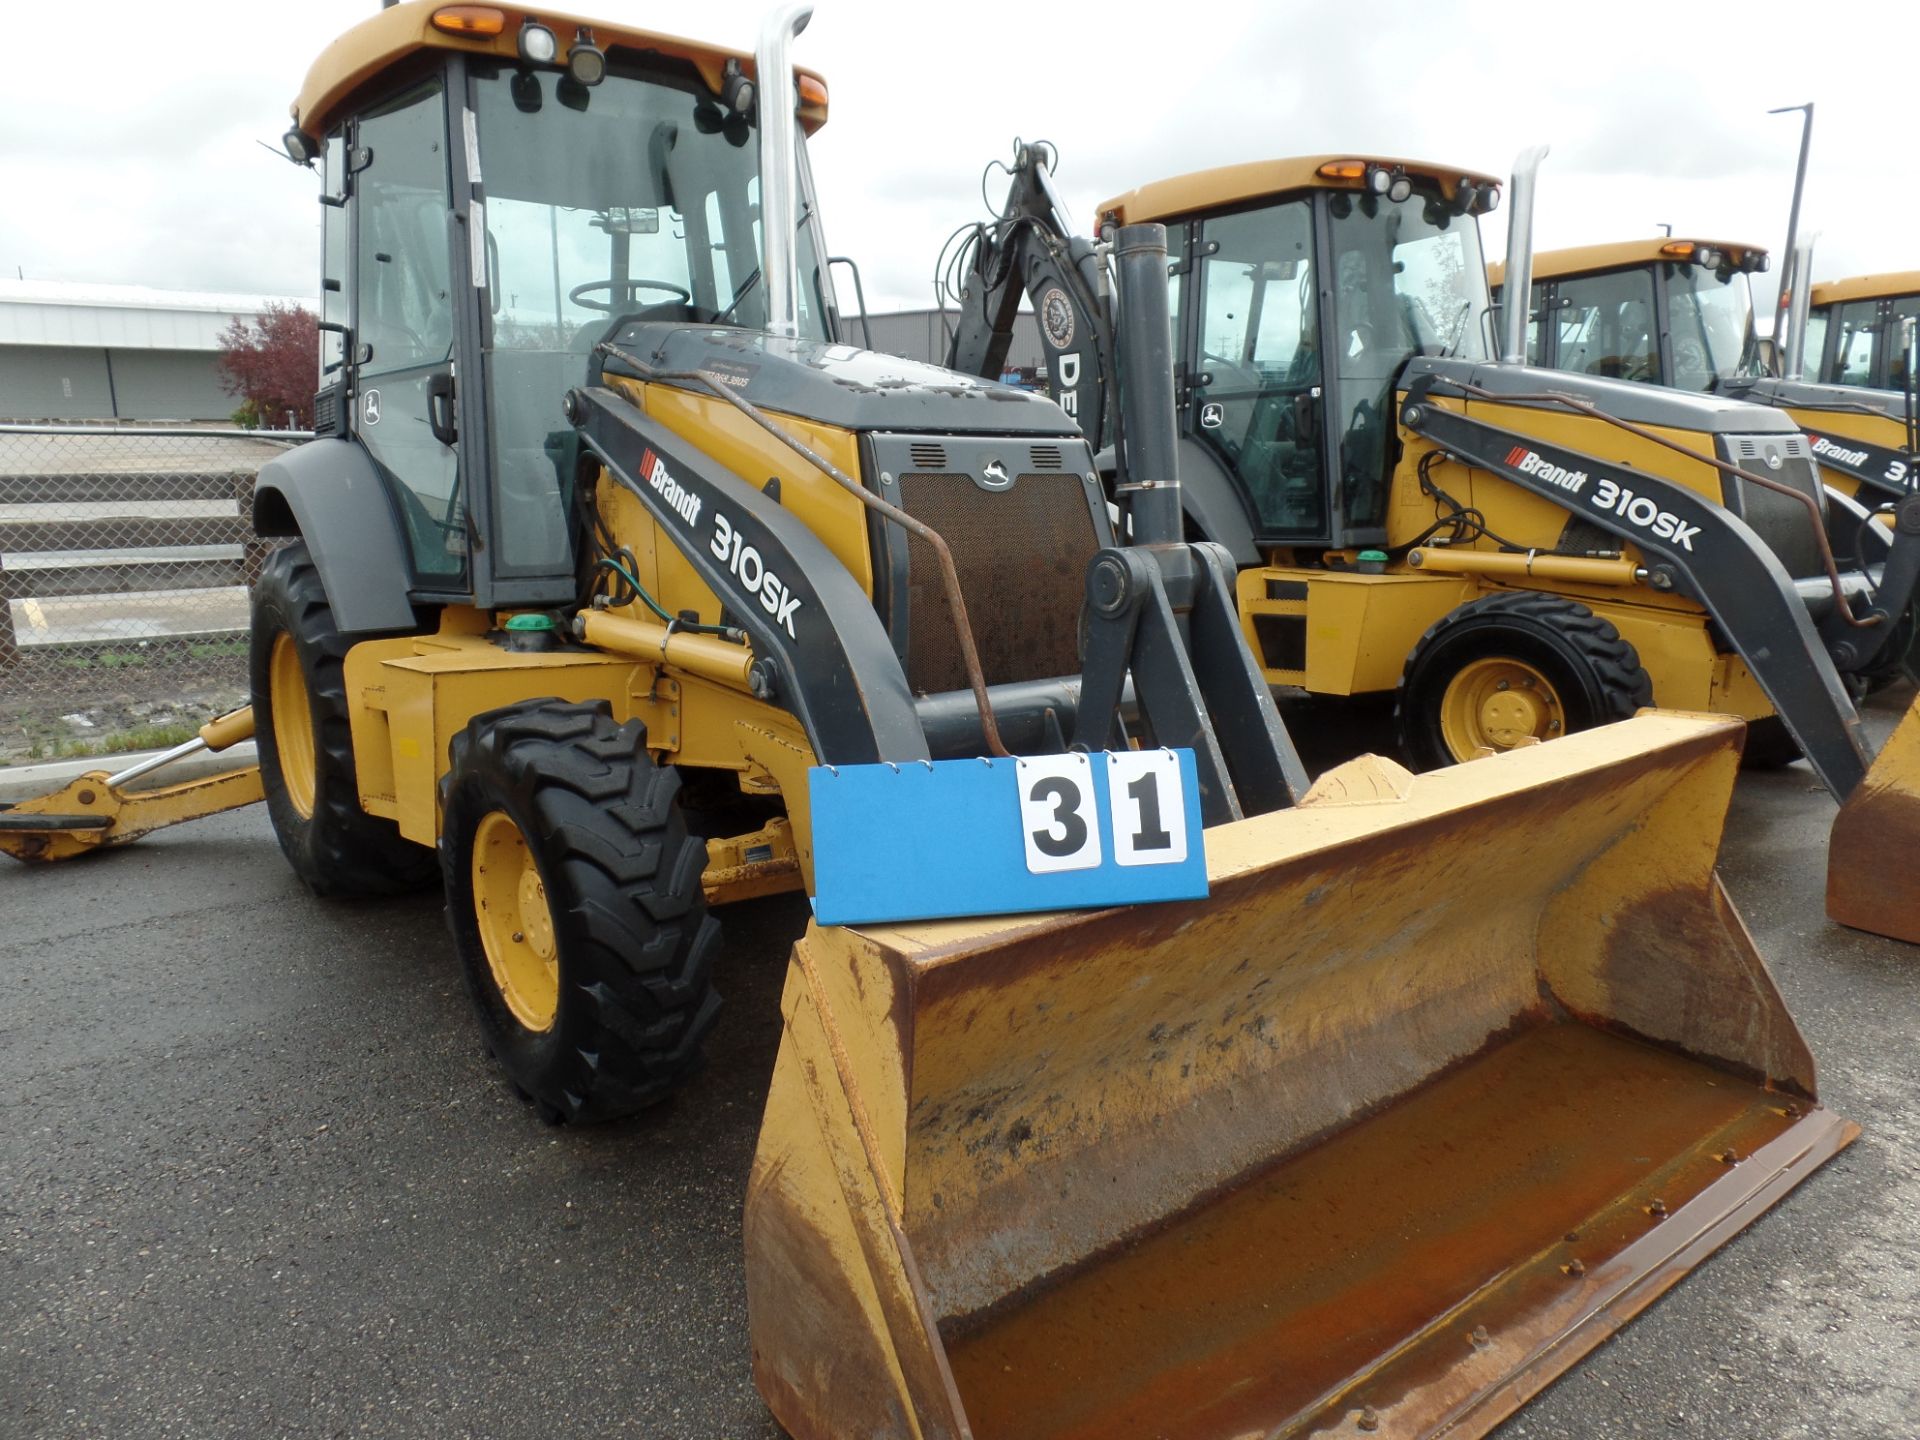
993 837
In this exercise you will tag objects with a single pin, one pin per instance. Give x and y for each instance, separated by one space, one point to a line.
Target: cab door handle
440 408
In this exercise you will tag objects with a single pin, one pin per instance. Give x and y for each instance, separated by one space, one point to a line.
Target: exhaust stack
779 161
1519 281
1799 283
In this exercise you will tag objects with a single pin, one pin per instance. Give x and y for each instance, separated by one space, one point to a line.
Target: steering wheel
578 295
1240 377
1690 359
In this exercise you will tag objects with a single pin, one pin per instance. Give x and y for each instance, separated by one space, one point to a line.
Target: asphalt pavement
257 1178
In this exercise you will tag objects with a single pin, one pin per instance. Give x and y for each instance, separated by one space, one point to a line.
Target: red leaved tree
273 365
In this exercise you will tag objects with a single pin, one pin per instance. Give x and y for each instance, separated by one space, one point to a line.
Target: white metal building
104 352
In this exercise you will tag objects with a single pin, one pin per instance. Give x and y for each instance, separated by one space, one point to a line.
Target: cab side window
1859 323
1905 307
404 262
1259 370
1607 326
1815 347
403 324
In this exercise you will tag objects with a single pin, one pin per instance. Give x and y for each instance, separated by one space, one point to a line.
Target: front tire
1509 669
573 892
304 732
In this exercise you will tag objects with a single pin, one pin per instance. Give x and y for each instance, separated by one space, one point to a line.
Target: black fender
1213 504
329 494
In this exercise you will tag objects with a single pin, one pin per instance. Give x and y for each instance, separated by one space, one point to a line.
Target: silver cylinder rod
1799 278
1517 287
155 762
778 100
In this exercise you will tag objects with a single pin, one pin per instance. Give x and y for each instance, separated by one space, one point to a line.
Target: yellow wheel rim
516 925
292 722
1497 704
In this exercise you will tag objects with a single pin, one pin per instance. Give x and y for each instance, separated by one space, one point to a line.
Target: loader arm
1705 552
1031 252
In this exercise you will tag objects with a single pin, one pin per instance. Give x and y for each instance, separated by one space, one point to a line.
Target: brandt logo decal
1825 447
1528 463
684 502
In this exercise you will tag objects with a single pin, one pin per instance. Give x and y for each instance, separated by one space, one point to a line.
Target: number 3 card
971 837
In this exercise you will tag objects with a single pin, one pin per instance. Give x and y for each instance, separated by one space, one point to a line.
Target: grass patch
108 660
146 737
218 650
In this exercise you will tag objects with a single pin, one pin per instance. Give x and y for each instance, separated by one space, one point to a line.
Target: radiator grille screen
1022 554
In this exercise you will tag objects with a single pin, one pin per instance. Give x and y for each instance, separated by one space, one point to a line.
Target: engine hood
840 385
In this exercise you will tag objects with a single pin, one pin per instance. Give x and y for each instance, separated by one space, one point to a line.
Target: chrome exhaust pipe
1519 279
1799 283
778 101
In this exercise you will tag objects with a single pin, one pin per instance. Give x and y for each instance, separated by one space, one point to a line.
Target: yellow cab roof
391 36
1234 184
1866 287
1618 254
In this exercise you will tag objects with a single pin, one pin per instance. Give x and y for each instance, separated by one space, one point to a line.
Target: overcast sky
128 146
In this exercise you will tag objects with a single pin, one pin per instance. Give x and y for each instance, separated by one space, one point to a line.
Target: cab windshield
1711 317
636 199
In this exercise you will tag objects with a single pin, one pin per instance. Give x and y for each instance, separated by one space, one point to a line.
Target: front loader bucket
1448 1077
1877 827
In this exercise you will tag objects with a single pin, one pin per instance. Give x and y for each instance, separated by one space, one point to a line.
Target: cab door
403 326
1254 392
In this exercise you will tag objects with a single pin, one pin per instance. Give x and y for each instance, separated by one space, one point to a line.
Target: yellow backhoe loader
1679 312
1446 1077
1515 553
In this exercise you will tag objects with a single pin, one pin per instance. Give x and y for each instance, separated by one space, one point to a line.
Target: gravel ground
257 1178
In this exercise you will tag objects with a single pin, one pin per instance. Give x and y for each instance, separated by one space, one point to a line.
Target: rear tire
304 733
573 893
1510 666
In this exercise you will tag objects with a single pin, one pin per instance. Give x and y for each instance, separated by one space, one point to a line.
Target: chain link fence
125 557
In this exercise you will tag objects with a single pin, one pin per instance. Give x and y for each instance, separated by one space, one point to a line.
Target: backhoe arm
98 811
1030 251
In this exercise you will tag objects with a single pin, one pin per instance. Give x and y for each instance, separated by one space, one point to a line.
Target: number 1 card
971 837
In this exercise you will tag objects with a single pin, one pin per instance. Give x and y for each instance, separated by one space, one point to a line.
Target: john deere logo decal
1056 318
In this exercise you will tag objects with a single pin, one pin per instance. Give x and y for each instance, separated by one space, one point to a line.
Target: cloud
148 170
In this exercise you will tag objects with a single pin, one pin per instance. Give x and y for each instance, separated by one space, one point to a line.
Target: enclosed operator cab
1298 297
501 192
1680 313
1855 330
1666 312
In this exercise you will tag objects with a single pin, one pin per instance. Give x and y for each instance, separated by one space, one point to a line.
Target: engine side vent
1782 521
1046 457
326 411
929 457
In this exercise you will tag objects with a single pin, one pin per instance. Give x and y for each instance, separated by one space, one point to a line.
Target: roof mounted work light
1393 184
538 44
586 62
